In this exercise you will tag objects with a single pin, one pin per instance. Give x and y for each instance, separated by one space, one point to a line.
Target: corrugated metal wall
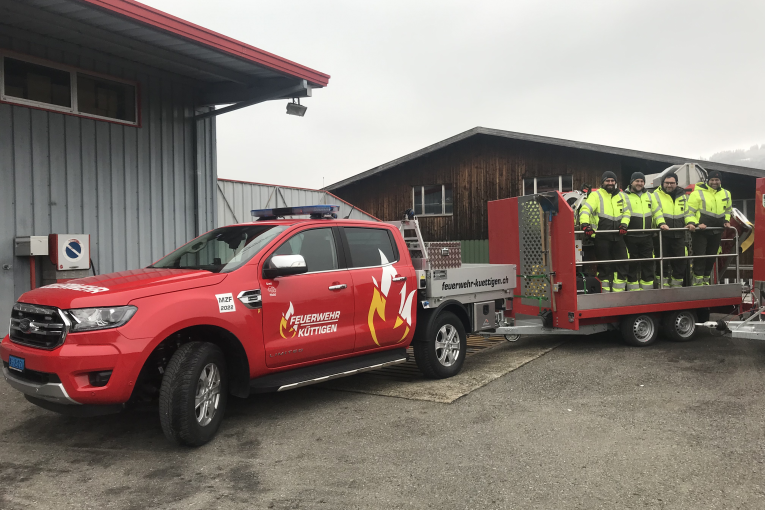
236 199
475 251
134 190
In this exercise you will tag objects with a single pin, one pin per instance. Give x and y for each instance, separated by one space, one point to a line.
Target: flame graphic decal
284 324
379 300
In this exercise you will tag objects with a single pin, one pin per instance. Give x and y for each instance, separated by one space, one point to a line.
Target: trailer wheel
512 338
442 352
639 330
680 325
194 393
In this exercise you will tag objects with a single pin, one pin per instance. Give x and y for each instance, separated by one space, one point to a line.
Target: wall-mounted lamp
295 108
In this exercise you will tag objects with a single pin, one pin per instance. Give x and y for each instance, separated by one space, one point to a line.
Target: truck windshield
222 250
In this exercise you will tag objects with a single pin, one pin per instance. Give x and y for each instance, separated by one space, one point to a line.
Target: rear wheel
679 325
639 330
442 352
194 393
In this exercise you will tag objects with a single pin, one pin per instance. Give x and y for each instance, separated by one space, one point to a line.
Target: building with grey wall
107 127
236 200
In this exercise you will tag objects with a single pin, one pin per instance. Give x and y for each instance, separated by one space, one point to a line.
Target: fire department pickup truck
265 306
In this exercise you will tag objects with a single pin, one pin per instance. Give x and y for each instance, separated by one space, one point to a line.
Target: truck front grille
43 327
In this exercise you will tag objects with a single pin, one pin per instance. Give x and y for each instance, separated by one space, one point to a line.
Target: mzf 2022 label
225 302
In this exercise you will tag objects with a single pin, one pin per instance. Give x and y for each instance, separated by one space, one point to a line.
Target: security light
295 108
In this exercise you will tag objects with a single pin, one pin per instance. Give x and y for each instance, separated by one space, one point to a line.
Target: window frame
534 192
347 247
340 253
421 187
73 73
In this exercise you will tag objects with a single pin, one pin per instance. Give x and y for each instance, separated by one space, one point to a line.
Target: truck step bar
298 377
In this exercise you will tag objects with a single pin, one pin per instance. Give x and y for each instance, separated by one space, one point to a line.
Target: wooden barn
449 183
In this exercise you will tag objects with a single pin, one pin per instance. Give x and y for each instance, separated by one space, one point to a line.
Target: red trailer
539 234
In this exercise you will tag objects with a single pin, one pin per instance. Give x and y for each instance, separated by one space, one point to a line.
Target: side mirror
284 265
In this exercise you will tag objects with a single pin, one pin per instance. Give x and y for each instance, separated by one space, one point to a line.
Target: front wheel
194 393
442 352
639 330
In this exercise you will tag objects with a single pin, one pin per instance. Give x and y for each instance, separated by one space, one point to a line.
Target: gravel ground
592 424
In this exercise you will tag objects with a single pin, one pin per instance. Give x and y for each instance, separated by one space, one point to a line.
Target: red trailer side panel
759 232
564 266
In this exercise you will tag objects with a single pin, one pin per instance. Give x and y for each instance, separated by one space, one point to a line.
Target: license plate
15 363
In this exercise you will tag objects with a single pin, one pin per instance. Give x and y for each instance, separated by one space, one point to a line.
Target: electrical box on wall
31 246
69 251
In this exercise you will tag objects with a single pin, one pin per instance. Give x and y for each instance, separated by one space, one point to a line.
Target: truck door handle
399 279
338 287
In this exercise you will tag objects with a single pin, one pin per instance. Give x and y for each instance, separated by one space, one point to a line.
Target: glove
622 229
588 230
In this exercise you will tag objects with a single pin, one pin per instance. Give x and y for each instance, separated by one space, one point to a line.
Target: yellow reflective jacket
710 207
644 210
674 210
605 211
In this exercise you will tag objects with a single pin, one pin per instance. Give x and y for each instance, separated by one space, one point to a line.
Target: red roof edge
169 23
305 189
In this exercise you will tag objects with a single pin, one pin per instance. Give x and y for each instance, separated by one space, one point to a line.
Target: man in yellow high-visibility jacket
644 212
711 206
605 209
674 209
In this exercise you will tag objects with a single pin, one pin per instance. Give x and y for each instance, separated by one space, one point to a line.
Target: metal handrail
661 258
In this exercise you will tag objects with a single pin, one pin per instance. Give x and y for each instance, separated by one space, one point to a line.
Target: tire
191 371
442 352
680 325
639 330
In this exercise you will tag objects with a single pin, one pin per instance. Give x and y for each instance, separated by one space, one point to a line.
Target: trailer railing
661 258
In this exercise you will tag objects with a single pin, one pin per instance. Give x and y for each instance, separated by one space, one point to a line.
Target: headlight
89 319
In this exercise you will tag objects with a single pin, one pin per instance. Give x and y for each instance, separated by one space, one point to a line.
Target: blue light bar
319 210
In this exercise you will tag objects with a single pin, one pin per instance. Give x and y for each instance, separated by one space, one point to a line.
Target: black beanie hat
714 174
608 175
637 175
670 174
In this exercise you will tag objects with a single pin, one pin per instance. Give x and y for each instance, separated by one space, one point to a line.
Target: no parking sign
69 251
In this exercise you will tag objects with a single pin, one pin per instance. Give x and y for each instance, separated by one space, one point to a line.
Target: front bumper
70 365
52 392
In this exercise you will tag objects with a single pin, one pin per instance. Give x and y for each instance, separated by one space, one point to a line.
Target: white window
432 200
533 185
41 84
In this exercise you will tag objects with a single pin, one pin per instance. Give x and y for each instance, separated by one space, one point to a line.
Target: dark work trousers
640 247
705 243
607 249
673 247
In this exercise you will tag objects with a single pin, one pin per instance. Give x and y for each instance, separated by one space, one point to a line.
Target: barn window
38 83
432 200
562 183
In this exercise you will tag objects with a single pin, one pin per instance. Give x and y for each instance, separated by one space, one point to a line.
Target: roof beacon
316 212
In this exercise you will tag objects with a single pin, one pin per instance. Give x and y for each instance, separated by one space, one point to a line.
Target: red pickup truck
266 306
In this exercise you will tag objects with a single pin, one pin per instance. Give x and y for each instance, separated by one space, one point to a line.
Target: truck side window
366 244
317 246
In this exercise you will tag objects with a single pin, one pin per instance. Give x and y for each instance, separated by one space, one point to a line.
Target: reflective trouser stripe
633 286
646 285
618 286
707 280
675 283
697 280
605 285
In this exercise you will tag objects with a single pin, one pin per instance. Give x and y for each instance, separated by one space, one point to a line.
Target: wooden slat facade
480 169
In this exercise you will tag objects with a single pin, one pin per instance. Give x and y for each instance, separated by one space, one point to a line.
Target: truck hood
116 289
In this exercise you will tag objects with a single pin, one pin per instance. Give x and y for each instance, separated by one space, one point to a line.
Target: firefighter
711 206
644 212
606 209
673 205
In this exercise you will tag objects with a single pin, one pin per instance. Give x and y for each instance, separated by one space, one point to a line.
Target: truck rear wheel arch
425 317
236 357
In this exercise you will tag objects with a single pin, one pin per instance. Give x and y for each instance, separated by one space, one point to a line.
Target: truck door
308 316
384 288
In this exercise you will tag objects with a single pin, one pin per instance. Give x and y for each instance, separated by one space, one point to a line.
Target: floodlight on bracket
295 108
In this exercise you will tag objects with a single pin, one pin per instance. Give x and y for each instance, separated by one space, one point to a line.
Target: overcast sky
685 78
